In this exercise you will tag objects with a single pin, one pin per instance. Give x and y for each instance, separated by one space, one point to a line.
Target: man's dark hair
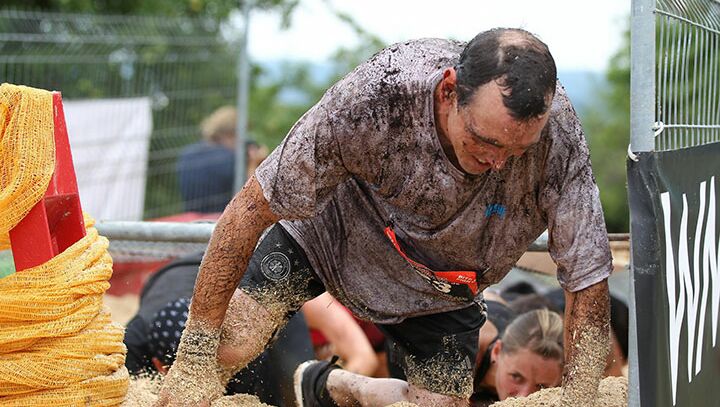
518 60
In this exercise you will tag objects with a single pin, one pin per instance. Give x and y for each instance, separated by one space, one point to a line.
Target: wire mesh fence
687 109
135 90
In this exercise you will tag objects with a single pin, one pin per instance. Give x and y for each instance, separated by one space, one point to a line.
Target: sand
612 393
143 392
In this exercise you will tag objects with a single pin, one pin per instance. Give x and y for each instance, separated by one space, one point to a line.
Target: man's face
522 373
483 133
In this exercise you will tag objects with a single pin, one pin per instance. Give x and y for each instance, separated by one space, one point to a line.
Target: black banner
675 214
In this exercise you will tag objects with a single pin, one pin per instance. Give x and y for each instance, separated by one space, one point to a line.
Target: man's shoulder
404 65
421 56
562 110
564 129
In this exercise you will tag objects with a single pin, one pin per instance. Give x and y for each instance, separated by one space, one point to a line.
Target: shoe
309 382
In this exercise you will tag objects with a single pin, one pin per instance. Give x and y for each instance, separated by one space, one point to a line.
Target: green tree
187 66
686 65
607 123
217 9
271 116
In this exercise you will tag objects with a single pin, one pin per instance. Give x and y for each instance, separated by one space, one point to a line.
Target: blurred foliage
186 65
216 9
607 123
685 63
272 114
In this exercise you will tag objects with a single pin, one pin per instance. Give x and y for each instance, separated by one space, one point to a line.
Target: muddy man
417 181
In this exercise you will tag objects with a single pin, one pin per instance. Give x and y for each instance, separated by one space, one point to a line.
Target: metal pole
642 76
642 139
243 80
156 231
201 232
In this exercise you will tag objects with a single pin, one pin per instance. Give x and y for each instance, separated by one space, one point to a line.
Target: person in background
524 358
342 334
522 297
206 169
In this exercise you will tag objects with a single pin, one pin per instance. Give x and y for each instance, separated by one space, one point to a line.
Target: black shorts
435 352
279 275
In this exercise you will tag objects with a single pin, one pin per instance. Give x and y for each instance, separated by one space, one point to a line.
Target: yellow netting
57 343
27 152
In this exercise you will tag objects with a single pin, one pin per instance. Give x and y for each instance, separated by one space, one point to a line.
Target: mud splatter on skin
229 251
143 392
246 331
194 377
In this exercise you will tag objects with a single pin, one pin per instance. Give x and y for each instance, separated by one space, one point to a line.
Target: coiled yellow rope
27 152
57 343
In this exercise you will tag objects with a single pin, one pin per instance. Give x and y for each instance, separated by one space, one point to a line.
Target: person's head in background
528 356
220 127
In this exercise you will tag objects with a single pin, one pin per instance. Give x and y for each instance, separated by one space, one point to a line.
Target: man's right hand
187 388
194 378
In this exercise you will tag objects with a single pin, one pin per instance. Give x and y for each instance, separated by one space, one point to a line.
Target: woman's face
524 372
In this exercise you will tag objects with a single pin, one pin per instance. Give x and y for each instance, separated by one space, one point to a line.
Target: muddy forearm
196 376
228 254
587 338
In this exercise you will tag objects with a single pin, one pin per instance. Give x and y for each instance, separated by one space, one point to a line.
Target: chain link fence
687 65
135 90
675 105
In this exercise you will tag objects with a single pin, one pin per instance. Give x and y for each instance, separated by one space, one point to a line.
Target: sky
582 35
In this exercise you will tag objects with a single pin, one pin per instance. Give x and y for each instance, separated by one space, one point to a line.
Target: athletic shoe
310 379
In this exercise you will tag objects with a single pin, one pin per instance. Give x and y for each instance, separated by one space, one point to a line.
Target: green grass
7 265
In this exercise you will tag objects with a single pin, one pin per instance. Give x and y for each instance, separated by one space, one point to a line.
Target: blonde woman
527 357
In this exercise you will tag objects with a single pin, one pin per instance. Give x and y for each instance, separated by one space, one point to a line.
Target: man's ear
448 83
159 366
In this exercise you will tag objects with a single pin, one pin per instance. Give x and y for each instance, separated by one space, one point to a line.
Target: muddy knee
246 330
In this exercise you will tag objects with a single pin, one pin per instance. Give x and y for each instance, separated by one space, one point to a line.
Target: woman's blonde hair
221 123
540 331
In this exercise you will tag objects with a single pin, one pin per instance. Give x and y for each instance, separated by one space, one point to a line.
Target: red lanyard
466 278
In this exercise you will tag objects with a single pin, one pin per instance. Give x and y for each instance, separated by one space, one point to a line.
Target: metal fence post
642 139
243 78
642 76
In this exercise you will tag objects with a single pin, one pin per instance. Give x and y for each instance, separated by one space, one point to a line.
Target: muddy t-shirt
368 154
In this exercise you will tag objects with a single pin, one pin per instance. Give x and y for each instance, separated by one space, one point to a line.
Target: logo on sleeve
275 266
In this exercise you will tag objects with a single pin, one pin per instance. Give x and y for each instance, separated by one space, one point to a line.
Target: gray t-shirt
368 153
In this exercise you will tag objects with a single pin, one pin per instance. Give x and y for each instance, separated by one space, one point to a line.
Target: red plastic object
129 277
56 222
